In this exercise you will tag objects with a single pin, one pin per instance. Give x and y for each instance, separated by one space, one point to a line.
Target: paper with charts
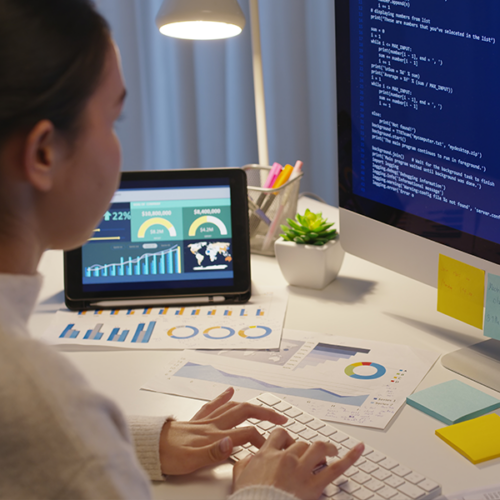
339 379
257 324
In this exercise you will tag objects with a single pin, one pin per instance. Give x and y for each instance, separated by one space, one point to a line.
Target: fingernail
226 445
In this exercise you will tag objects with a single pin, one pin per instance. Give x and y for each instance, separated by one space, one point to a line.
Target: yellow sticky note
461 291
477 439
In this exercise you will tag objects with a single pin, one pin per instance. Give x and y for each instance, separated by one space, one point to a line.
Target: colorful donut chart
230 334
267 331
170 333
379 373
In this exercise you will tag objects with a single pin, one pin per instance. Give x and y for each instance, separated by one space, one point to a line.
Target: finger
316 454
298 448
336 469
239 467
213 405
244 411
211 454
243 435
222 409
279 440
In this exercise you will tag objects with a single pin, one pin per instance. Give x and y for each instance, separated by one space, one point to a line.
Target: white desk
365 301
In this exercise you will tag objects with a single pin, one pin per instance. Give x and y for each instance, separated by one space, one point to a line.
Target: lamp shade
200 19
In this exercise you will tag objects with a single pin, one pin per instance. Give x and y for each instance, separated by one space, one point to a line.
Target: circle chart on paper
350 371
194 331
215 337
243 333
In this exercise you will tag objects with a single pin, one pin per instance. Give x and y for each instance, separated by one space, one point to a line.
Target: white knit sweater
59 438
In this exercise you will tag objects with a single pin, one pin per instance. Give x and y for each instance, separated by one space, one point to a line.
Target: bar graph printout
340 379
257 324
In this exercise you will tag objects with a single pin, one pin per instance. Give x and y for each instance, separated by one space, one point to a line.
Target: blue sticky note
492 311
453 401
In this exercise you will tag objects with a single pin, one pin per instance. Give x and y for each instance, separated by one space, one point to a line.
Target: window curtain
191 103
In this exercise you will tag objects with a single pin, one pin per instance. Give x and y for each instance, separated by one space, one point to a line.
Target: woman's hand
210 436
293 466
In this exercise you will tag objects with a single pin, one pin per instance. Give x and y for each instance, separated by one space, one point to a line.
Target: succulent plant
309 228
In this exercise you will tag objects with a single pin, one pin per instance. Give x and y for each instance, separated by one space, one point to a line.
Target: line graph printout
339 379
258 324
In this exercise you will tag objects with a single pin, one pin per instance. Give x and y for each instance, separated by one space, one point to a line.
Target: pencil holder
268 208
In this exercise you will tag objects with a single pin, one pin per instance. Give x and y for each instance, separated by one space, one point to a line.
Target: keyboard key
374 484
361 477
351 471
367 450
342 495
282 406
350 486
331 490
340 480
388 463
268 399
265 425
428 485
387 492
242 454
308 434
394 481
401 470
376 457
319 437
304 418
293 412
411 490
338 437
327 431
363 494
296 427
368 467
315 425
414 478
381 474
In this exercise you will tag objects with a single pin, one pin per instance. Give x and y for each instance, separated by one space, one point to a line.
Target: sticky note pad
477 439
492 308
453 402
461 291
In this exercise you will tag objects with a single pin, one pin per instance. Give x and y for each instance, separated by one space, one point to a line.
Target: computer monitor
418 101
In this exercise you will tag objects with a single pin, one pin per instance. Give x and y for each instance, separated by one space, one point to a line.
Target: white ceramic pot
310 266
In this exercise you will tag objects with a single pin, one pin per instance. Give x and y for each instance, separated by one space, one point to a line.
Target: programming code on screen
426 109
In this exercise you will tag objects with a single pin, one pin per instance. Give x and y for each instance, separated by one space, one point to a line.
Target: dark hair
52 55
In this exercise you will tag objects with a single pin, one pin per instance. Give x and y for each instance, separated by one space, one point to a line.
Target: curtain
190 103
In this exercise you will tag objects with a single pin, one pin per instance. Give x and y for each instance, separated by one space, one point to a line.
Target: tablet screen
174 234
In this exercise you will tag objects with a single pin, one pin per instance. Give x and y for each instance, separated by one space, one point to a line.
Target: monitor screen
418 129
172 234
419 118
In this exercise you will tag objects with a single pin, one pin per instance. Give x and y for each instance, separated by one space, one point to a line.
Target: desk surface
365 301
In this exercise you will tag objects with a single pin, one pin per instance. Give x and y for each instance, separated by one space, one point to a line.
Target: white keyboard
374 476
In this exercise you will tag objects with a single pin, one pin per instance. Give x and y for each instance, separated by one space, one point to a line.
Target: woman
61 91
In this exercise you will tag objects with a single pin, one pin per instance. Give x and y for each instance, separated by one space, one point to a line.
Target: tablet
168 237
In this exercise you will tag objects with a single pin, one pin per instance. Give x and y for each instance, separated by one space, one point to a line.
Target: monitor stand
479 362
